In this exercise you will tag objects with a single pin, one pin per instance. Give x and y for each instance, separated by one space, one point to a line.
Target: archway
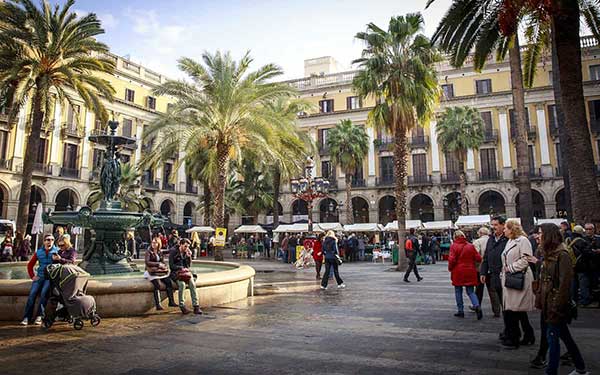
452 206
328 211
561 204
421 208
491 202
188 213
3 201
360 210
387 209
149 203
269 215
299 210
66 200
539 209
167 208
36 197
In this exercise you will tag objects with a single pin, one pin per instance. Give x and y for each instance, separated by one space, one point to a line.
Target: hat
578 229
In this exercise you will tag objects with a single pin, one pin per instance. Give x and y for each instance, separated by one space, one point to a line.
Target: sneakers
538 363
406 280
25 322
460 314
38 321
419 279
323 287
576 372
341 286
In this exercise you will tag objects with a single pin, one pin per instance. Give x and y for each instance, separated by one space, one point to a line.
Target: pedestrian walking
517 300
480 244
331 254
318 255
588 267
491 266
411 247
462 265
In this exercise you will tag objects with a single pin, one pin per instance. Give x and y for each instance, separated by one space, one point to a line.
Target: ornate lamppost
453 208
309 188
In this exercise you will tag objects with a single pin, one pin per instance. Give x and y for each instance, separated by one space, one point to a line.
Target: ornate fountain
107 252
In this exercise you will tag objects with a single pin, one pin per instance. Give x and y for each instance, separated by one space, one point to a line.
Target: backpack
571 251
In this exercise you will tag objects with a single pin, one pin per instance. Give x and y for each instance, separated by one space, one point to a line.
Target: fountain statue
107 252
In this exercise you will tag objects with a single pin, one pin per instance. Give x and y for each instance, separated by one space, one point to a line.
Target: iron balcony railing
490 176
72 130
490 136
94 175
534 174
323 149
191 189
450 178
358 182
168 186
419 180
6 164
384 181
384 144
150 184
69 172
419 141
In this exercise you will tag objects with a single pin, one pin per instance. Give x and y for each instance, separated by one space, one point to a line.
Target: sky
156 33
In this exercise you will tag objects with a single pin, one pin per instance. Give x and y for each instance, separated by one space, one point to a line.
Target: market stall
470 221
409 224
336 227
363 227
556 222
200 229
244 248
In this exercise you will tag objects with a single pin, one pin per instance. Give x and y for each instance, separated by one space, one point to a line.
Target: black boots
197 310
171 299
157 300
184 310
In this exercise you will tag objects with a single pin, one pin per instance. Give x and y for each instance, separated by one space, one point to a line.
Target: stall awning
556 222
336 227
200 230
473 220
296 228
438 225
250 229
363 227
410 224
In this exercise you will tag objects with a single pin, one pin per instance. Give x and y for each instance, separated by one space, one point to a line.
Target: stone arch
360 209
4 198
299 207
539 207
167 208
149 204
189 213
270 210
42 191
66 200
451 205
561 203
328 211
421 207
386 208
491 202
38 195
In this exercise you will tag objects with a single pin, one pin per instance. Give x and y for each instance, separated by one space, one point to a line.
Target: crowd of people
552 270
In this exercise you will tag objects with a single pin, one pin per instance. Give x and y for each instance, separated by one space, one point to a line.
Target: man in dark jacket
412 248
491 266
586 267
181 258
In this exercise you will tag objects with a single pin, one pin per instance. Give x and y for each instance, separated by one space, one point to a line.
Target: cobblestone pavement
378 325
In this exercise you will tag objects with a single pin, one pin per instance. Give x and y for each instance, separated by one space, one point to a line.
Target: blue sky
156 33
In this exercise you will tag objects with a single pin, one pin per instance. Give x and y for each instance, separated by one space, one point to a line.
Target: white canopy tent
473 220
200 229
250 229
296 228
363 227
556 222
439 225
38 224
336 227
410 224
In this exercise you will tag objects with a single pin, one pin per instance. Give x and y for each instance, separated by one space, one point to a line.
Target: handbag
184 274
514 280
338 260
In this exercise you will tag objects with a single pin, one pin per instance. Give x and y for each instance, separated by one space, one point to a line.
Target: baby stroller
68 286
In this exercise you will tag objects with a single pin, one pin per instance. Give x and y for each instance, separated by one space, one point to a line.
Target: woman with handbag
157 270
463 270
332 260
517 289
554 300
180 261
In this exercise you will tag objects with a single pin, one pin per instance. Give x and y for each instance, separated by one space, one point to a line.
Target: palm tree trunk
518 95
585 197
562 135
400 161
462 184
207 197
349 213
33 145
276 187
219 209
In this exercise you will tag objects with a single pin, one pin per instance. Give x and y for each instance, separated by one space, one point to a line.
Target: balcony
69 172
385 181
191 189
490 136
6 164
150 184
358 182
323 149
421 141
419 180
94 175
450 178
531 133
71 130
553 128
168 187
333 184
492 176
534 174
384 144
38 168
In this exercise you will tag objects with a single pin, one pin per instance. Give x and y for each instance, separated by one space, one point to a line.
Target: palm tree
458 130
348 145
49 49
397 69
224 109
481 26
129 191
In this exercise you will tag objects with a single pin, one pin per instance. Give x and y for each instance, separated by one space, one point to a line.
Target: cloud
108 20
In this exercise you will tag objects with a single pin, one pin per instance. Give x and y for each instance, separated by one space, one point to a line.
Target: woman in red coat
463 270
318 255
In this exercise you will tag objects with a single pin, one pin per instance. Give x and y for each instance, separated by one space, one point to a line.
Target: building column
139 133
438 212
511 209
471 172
371 158
435 153
85 145
55 157
546 168
505 144
313 135
19 140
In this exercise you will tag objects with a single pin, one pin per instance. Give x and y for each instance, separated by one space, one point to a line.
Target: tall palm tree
458 130
481 27
348 145
223 109
129 191
49 49
397 69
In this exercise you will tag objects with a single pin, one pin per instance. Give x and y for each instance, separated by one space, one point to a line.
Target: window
353 102
3 144
487 157
487 121
386 167
72 114
97 159
326 106
558 158
483 86
326 170
151 102
513 121
594 107
41 156
595 72
70 156
531 156
452 164
127 127
448 90
129 95
552 117
323 139
358 173
419 166
167 172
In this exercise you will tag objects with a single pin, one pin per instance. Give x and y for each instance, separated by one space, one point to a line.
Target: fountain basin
131 294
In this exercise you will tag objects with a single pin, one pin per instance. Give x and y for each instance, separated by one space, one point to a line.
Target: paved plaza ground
378 325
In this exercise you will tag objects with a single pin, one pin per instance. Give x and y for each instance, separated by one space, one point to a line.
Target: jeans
192 287
584 279
37 286
361 254
458 294
329 264
555 333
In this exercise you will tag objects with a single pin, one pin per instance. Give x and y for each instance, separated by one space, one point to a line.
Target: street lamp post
309 188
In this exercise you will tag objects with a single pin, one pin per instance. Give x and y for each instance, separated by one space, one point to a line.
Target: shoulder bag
514 280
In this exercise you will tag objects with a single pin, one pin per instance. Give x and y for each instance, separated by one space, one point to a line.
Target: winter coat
68 256
480 244
330 248
554 294
461 263
177 261
491 266
513 261
317 251
44 257
154 261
